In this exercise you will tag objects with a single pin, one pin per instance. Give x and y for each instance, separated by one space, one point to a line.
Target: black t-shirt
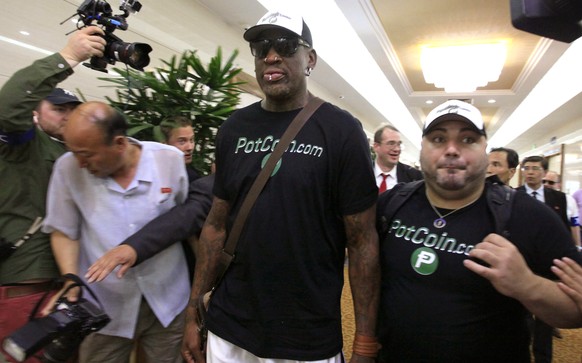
433 309
281 296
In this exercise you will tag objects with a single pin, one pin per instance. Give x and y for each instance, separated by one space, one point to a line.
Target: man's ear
35 117
312 59
120 142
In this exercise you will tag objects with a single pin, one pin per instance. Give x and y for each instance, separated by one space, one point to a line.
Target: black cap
61 96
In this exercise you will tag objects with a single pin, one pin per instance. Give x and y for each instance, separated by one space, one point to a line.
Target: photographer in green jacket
33 114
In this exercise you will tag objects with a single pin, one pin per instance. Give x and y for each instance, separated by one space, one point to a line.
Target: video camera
133 54
60 332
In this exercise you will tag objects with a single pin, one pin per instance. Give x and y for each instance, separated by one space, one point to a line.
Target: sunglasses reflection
283 46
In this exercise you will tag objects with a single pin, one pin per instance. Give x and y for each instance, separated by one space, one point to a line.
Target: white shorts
219 350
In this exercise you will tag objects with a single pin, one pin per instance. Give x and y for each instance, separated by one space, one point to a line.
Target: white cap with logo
455 110
280 19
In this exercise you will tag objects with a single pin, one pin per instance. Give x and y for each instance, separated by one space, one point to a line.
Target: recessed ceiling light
24 32
465 67
429 102
491 101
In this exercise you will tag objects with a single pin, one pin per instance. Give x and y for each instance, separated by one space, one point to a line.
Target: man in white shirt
387 168
103 190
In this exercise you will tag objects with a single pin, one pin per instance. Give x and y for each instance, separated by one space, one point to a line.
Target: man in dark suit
388 170
534 169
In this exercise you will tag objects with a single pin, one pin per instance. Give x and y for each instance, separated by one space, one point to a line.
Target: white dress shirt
391 179
540 192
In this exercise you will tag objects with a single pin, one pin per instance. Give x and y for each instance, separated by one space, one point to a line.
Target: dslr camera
133 54
60 332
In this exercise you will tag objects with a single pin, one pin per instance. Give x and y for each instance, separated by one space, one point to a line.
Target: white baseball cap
455 110
280 19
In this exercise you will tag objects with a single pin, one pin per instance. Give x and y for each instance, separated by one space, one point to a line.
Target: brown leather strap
261 180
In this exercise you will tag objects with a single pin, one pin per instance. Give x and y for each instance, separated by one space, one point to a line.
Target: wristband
366 346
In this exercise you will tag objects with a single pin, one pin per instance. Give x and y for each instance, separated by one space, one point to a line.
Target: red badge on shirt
166 190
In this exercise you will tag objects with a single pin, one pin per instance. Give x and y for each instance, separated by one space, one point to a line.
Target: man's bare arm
208 252
364 272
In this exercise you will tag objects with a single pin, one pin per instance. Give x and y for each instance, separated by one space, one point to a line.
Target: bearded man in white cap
279 301
463 259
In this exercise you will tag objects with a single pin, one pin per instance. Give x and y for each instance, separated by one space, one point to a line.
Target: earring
308 71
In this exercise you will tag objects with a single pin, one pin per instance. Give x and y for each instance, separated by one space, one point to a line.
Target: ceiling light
429 102
559 85
491 101
463 68
367 78
24 32
25 45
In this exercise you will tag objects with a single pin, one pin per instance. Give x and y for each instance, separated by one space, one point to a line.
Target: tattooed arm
364 272
207 250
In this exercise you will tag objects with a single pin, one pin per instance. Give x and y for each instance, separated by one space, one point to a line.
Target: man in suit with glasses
535 169
388 169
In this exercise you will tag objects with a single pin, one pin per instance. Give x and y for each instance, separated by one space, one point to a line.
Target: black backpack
499 201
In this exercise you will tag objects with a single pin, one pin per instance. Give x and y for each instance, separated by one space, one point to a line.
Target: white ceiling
390 29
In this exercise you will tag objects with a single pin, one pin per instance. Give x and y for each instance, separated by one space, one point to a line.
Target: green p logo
424 261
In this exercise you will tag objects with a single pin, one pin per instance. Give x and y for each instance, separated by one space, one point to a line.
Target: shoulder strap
500 202
261 180
399 196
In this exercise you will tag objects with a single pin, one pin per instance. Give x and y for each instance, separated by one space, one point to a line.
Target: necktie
382 188
534 194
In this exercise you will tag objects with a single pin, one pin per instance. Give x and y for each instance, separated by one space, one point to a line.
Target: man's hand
359 359
123 255
570 273
72 295
507 270
84 44
192 352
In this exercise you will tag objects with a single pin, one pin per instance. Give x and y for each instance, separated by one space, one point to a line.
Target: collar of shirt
540 192
390 181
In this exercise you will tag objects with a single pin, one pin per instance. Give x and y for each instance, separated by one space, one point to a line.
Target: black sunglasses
551 182
284 46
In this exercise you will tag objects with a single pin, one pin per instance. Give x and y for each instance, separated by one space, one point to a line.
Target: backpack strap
500 202
398 196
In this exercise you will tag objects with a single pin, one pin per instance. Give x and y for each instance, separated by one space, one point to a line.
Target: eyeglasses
528 168
284 46
550 182
392 144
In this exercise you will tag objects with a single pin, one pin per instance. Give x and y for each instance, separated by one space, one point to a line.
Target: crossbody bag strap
261 180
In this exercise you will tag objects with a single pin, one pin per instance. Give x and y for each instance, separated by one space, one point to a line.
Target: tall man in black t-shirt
458 279
280 298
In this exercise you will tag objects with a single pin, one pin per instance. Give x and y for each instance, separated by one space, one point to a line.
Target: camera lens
62 348
133 54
